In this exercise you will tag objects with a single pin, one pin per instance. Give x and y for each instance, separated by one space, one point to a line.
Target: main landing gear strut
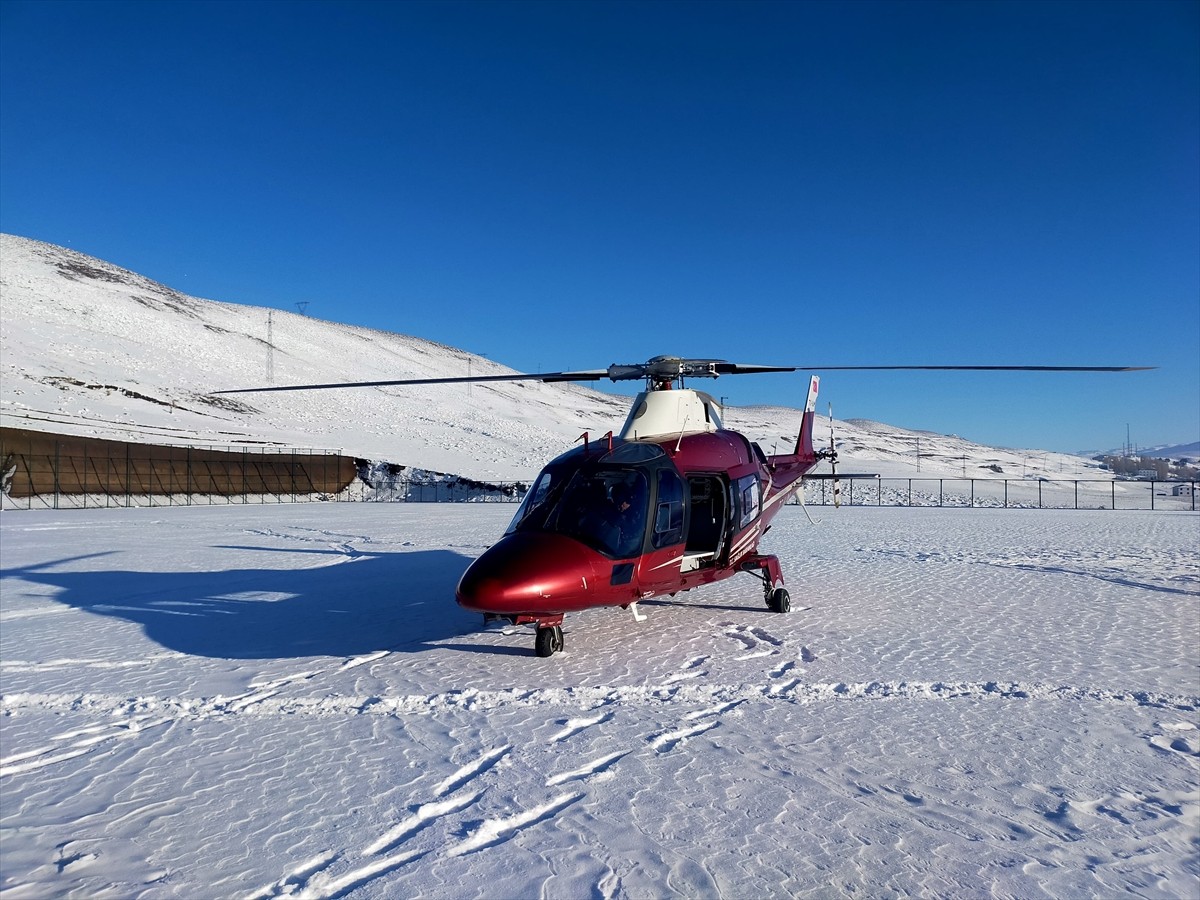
768 570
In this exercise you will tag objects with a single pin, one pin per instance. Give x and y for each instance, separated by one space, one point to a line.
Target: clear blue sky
565 185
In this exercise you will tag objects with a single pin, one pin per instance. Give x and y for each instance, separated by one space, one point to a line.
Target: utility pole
270 346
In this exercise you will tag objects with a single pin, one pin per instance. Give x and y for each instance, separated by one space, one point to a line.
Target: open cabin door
708 524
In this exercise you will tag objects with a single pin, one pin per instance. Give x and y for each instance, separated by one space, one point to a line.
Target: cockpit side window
535 498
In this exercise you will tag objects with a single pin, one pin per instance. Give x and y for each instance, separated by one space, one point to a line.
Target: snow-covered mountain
90 348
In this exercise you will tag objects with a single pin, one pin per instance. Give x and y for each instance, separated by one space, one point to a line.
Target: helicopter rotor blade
592 375
727 368
721 367
667 369
984 368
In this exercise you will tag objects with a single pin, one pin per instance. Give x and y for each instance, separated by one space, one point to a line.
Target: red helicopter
673 502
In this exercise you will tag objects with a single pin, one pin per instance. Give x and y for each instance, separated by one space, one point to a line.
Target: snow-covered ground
285 701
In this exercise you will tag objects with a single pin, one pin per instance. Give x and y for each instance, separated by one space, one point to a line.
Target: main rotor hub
662 372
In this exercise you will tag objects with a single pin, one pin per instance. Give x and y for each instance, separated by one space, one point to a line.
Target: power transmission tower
302 305
270 346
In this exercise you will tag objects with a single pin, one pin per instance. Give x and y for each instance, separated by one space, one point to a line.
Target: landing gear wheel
779 601
548 641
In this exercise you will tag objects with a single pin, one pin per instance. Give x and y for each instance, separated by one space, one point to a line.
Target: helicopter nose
528 573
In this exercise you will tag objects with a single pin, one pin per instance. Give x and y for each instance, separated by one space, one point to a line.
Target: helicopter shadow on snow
699 603
402 602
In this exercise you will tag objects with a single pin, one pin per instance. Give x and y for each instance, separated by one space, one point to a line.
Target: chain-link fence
1007 493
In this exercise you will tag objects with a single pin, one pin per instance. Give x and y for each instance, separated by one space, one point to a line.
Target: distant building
1183 489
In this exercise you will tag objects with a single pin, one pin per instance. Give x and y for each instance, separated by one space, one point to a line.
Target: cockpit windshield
606 509
603 506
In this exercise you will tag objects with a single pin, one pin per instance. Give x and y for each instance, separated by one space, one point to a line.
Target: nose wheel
548 640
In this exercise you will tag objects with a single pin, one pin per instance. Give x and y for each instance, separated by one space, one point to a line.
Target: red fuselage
612 525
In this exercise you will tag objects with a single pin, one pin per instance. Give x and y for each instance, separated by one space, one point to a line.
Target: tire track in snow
313 879
295 878
574 726
471 770
79 742
265 701
51 665
719 709
752 640
495 831
424 815
597 765
664 743
690 670
139 714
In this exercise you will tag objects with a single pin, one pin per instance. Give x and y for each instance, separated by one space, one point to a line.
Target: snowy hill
92 349
1175 451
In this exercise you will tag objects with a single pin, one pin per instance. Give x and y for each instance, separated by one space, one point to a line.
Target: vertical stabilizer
804 443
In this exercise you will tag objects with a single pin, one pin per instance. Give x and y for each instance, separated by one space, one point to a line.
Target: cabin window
749 494
668 516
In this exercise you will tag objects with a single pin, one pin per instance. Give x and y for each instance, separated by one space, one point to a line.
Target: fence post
1152 483
1006 493
1113 485
1039 493
1077 493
